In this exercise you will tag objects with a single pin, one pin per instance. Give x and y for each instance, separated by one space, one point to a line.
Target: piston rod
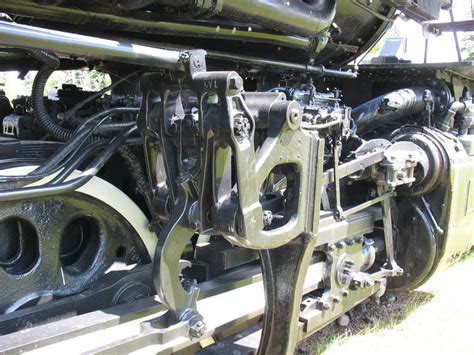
29 37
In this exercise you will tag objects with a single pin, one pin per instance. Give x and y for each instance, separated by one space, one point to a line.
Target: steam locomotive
239 182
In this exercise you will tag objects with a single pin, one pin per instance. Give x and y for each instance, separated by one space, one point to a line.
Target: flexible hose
79 159
447 122
81 136
39 108
48 59
51 63
85 154
136 170
74 184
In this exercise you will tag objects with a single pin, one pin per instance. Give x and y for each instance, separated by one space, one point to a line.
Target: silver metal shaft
29 37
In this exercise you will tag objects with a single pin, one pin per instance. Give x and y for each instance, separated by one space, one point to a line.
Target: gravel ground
437 318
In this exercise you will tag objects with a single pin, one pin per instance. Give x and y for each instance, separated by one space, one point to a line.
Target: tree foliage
87 80
468 46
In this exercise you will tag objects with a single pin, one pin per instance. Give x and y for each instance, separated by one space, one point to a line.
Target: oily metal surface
49 275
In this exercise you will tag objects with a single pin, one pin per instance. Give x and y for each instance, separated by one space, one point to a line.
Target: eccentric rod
29 37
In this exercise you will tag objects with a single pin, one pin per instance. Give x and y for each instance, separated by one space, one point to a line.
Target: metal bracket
180 297
229 139
337 211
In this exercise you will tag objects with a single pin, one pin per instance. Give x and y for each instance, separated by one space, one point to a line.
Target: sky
440 49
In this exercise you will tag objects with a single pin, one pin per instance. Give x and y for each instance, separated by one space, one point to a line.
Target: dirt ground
437 318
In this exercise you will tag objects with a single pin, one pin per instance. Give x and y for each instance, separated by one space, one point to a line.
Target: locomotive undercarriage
202 198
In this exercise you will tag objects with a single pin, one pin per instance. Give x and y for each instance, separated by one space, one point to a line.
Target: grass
434 319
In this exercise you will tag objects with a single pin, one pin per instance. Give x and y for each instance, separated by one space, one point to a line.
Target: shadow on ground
390 311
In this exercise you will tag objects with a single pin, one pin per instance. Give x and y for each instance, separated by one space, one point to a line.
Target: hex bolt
340 245
349 263
197 329
236 83
184 56
356 283
345 293
173 128
321 305
368 283
267 217
331 247
294 114
336 299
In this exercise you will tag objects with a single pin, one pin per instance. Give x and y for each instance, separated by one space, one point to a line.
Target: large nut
197 329
236 83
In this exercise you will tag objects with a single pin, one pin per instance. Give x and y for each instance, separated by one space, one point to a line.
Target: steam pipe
305 18
29 37
388 108
168 28
455 107
296 17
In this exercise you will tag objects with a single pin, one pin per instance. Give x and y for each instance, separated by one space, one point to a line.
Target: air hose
51 63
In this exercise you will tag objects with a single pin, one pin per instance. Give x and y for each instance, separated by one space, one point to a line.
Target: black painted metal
275 26
284 271
115 288
42 275
226 154
388 108
306 18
